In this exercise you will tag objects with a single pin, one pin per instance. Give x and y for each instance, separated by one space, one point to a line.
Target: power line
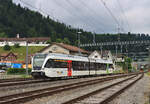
38 9
120 19
122 10
115 19
74 15
91 21
92 12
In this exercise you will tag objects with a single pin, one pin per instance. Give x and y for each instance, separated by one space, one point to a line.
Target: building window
54 48
96 56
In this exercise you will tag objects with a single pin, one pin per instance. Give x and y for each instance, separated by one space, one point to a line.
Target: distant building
11 57
106 55
119 58
36 41
64 49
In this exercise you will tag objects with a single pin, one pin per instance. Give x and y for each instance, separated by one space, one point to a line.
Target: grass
148 73
21 51
118 71
26 76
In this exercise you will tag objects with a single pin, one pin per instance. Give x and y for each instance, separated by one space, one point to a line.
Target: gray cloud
93 16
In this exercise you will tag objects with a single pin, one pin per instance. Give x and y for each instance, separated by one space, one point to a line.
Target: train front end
37 63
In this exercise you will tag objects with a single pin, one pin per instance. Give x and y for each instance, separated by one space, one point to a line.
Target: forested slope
14 19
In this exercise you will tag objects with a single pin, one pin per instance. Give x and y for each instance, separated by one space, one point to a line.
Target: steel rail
5 84
75 100
30 81
110 98
30 95
14 80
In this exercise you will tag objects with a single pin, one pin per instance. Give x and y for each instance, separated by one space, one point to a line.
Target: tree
66 40
7 48
49 41
3 35
17 45
127 64
59 40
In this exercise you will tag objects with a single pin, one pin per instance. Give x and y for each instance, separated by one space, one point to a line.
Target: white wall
23 43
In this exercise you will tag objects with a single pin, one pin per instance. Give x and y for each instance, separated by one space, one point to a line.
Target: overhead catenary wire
114 7
90 20
74 15
93 12
86 20
110 12
125 17
41 11
38 9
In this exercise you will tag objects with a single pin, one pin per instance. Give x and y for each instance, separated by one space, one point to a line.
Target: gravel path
139 93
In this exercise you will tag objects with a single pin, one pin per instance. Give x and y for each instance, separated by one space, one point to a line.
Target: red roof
7 54
68 47
26 39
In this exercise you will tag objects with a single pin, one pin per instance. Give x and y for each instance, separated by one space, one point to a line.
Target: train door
69 65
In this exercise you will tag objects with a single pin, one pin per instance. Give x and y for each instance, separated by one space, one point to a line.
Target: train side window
78 65
75 65
63 64
91 66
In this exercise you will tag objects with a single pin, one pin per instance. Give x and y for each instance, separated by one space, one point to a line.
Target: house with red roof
64 49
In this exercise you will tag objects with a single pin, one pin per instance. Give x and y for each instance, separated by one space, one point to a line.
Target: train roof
67 57
76 58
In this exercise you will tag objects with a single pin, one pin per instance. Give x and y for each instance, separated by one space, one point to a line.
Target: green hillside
21 51
14 19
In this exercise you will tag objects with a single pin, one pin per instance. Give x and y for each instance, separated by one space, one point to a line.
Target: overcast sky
91 15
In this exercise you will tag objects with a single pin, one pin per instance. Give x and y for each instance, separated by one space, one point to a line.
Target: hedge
17 71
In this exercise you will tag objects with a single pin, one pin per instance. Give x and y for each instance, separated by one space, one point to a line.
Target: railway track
14 80
21 82
106 94
30 95
26 79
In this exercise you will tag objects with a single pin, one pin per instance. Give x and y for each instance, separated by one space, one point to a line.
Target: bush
48 42
17 71
7 48
16 45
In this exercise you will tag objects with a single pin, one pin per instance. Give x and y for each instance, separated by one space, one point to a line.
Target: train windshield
38 60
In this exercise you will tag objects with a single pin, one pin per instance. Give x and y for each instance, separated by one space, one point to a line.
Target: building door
69 64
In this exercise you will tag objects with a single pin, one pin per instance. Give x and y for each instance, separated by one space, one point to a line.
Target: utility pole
94 38
121 49
101 49
118 41
149 56
27 57
79 42
116 51
127 50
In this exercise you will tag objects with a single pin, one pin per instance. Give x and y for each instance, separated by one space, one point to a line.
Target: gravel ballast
139 93
70 94
35 86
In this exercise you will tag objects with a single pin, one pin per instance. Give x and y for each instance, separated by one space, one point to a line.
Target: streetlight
79 42
148 54
27 57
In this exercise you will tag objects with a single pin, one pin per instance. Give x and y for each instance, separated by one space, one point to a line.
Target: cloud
93 16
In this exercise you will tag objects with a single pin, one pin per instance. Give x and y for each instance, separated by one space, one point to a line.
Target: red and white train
55 65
